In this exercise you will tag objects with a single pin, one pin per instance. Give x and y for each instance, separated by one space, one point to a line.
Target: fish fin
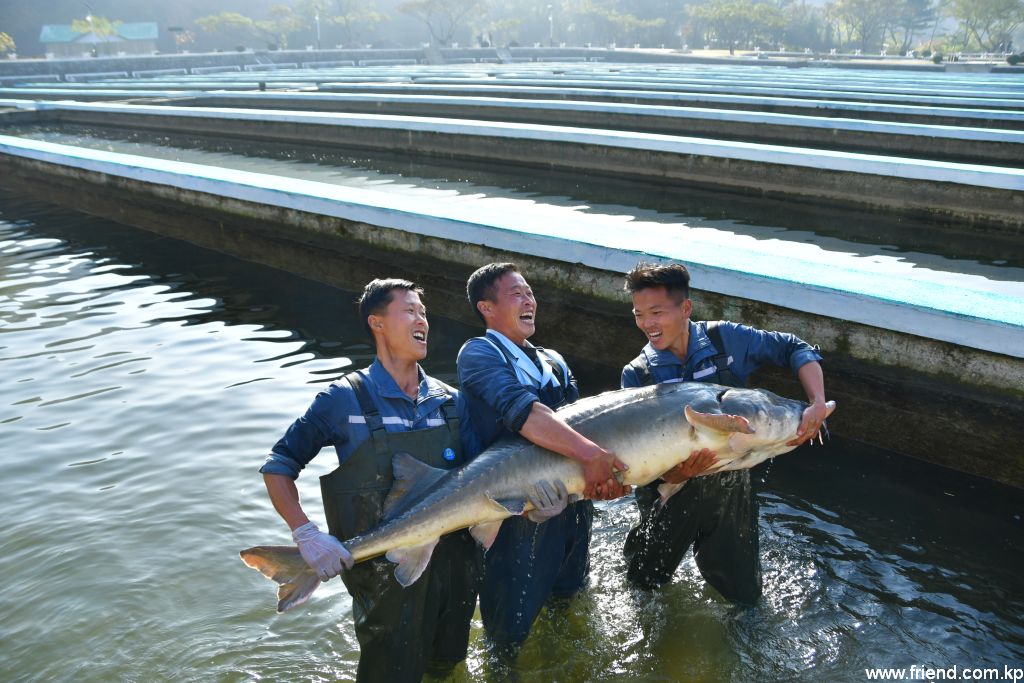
410 475
746 461
667 490
411 561
718 422
510 506
283 565
485 533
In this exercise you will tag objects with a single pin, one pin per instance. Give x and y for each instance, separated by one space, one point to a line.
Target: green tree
283 21
101 27
234 27
988 24
515 22
673 12
442 17
354 19
739 22
860 23
629 28
908 19
804 25
605 21
6 43
240 29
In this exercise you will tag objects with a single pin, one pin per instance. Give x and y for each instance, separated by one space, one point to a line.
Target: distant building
135 38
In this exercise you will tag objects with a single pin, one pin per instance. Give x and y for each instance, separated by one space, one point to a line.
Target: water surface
145 378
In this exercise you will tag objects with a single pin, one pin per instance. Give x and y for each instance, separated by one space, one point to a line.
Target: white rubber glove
322 552
549 498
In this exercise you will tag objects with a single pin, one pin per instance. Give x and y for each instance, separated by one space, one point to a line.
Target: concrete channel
990 197
931 371
978 101
907 113
961 143
927 141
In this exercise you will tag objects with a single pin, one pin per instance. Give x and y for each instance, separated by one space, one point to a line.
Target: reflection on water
145 378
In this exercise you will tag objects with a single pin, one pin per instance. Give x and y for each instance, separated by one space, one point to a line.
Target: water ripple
146 379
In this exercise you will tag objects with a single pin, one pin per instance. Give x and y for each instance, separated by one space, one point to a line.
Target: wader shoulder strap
556 368
721 358
451 418
724 375
378 435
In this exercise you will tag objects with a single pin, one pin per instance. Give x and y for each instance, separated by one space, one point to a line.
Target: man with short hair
369 415
513 387
715 513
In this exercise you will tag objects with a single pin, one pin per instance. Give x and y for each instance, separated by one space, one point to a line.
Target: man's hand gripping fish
651 429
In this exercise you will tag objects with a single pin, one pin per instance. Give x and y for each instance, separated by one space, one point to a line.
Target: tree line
870 26
895 26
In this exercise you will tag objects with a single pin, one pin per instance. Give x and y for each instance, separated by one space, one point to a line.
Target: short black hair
377 294
674 277
480 285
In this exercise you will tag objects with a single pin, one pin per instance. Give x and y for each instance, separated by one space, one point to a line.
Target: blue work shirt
499 404
747 348
335 419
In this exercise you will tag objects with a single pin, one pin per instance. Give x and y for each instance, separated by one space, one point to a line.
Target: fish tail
284 566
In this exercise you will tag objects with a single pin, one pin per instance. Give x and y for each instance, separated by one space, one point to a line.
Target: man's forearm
544 428
285 497
813 381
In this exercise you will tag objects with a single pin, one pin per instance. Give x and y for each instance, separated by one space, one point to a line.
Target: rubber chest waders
529 563
401 630
354 493
716 514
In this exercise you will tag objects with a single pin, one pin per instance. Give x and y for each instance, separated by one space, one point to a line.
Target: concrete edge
848 162
386 212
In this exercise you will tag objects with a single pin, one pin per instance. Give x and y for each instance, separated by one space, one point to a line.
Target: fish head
774 420
760 424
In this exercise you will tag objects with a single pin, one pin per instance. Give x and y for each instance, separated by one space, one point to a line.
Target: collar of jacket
697 349
387 387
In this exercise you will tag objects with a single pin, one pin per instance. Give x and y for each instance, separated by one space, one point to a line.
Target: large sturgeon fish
651 429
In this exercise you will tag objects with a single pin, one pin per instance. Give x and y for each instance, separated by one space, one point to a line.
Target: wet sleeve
306 437
779 348
484 375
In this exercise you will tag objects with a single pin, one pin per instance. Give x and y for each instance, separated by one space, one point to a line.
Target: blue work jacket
335 419
748 349
499 404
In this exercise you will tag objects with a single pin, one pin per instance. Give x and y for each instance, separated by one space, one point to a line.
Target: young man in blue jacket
390 407
716 513
513 387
